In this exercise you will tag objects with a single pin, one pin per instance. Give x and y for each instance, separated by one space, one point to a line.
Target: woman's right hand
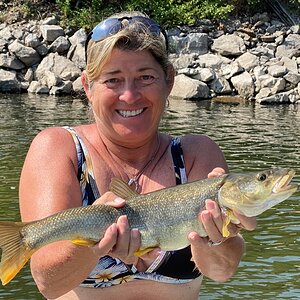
121 242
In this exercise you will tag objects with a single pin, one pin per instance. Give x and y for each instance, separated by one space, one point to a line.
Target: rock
290 47
247 61
204 74
59 65
244 84
25 54
292 78
220 86
277 71
37 88
188 88
51 32
32 40
211 61
10 62
65 87
290 64
60 45
77 86
9 82
275 99
195 43
229 45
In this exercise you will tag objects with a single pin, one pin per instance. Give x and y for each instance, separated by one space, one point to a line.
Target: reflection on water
252 138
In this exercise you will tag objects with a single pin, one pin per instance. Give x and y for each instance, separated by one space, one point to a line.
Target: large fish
164 217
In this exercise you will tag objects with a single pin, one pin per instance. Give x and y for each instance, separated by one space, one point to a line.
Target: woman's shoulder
192 142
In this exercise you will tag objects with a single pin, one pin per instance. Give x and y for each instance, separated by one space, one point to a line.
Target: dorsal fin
121 189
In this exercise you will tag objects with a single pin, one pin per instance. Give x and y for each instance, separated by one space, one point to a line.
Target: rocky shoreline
257 59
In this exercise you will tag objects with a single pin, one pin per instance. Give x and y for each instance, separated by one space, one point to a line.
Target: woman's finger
107 242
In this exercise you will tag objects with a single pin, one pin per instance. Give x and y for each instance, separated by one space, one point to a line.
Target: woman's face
129 96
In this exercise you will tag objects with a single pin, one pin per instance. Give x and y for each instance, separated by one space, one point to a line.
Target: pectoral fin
230 217
143 251
86 243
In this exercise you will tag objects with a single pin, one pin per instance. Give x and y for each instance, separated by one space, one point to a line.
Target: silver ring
212 243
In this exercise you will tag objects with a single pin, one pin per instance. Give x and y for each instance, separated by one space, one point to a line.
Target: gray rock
37 88
277 71
292 78
290 64
229 45
290 47
60 45
244 84
204 74
220 86
27 55
231 70
51 32
188 88
248 61
195 43
59 65
9 82
65 87
32 40
10 62
211 61
275 99
77 86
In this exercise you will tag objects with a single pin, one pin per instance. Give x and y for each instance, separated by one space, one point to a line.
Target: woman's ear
170 77
86 86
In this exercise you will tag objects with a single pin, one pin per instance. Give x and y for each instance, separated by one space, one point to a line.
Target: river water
253 137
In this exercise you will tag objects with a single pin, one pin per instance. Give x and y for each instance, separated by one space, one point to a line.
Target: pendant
133 181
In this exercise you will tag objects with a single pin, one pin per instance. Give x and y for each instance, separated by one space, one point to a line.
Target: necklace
135 178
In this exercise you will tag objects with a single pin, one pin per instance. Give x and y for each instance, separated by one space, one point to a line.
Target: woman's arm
49 184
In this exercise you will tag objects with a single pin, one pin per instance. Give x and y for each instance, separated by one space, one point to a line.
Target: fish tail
15 253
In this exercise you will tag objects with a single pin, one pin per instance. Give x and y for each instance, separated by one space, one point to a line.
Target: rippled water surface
252 138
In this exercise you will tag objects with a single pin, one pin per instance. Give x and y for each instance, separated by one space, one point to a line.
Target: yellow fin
86 243
143 251
229 217
121 189
15 253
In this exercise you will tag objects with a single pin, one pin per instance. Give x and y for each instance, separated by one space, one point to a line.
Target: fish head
252 194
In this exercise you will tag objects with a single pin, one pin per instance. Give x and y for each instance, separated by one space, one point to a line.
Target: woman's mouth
130 113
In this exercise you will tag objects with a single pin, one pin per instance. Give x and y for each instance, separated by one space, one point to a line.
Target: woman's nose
129 92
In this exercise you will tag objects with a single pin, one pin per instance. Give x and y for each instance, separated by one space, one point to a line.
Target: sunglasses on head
113 25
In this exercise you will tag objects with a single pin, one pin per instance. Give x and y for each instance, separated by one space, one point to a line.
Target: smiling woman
127 80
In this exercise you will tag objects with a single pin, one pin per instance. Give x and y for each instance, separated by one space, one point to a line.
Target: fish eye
262 177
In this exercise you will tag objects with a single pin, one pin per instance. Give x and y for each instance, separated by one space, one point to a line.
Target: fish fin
15 253
121 189
143 251
86 243
225 231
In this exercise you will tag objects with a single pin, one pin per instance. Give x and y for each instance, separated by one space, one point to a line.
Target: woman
127 81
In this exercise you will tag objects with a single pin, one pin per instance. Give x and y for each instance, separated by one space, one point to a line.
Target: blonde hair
134 36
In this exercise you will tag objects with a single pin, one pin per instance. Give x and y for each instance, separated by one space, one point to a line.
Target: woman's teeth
129 113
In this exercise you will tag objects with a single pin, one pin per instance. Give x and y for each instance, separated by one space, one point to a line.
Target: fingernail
119 200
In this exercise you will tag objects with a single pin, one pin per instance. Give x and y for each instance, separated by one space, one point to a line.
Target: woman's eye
112 82
146 79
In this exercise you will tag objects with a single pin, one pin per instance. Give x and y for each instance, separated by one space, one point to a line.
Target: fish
164 217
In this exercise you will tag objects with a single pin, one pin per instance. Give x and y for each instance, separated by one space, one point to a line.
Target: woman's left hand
213 217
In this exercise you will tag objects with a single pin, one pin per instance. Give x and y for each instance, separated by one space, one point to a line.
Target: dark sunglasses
113 25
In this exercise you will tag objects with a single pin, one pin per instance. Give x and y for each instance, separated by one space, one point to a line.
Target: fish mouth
283 183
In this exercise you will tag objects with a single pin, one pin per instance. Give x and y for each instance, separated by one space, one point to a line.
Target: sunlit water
252 138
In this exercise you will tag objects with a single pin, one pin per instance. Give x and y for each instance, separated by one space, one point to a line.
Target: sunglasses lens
106 28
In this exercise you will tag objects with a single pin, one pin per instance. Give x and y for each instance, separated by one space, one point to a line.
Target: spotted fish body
164 217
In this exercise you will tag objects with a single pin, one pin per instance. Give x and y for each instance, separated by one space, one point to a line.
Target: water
252 138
